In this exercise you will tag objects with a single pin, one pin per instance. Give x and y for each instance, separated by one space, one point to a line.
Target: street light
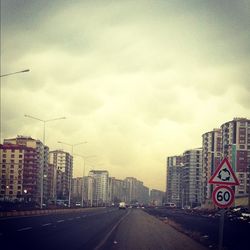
72 152
42 168
83 174
17 72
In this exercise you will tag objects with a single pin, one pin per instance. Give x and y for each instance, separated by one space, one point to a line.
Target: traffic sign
223 196
224 175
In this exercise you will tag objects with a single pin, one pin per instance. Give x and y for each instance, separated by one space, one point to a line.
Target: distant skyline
138 80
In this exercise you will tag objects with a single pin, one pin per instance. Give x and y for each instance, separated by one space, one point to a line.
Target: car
122 205
78 204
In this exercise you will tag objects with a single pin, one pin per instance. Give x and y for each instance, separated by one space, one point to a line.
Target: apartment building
41 164
211 158
174 179
18 173
116 190
63 163
236 147
156 197
192 177
135 191
101 180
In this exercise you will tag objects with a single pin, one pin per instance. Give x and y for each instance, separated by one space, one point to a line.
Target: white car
122 205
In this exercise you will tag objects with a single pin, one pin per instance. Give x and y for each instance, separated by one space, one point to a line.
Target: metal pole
221 228
248 188
13 73
42 168
83 180
72 150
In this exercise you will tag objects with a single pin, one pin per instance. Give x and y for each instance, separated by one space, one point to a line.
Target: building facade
174 189
136 192
192 177
63 162
211 158
18 173
156 197
101 178
40 167
236 147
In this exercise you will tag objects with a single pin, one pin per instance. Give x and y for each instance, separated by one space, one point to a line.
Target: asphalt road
78 230
106 228
139 231
205 229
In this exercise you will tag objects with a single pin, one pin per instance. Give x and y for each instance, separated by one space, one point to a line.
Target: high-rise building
116 190
18 173
63 162
101 181
77 189
192 177
156 197
135 191
174 179
211 158
51 177
236 147
41 161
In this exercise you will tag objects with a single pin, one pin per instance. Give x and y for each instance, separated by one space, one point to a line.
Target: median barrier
44 211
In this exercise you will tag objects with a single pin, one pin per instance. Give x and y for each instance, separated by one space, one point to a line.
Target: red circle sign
223 196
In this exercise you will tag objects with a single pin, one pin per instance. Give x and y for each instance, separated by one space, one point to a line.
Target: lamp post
83 174
72 152
17 72
42 168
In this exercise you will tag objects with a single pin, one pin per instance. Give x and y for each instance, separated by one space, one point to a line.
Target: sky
137 80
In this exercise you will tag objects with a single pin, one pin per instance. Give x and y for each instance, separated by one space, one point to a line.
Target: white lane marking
59 221
44 225
77 217
101 244
70 218
24 229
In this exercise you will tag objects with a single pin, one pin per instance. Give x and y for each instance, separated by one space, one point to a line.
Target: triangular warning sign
224 174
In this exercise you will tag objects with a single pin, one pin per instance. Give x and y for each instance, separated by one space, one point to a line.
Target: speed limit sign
223 196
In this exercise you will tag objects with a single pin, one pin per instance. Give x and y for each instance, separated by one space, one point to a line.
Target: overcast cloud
138 80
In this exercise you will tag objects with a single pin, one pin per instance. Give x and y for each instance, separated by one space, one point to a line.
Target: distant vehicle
78 204
122 205
170 205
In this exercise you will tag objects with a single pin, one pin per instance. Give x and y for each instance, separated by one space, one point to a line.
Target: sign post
223 195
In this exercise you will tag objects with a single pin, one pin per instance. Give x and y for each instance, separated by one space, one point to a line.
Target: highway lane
78 230
139 231
99 229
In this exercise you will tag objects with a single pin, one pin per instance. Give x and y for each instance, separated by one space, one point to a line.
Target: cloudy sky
138 80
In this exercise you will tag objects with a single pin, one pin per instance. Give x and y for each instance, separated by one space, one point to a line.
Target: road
104 228
205 229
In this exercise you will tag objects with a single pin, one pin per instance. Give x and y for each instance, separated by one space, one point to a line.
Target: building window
20 156
4 155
